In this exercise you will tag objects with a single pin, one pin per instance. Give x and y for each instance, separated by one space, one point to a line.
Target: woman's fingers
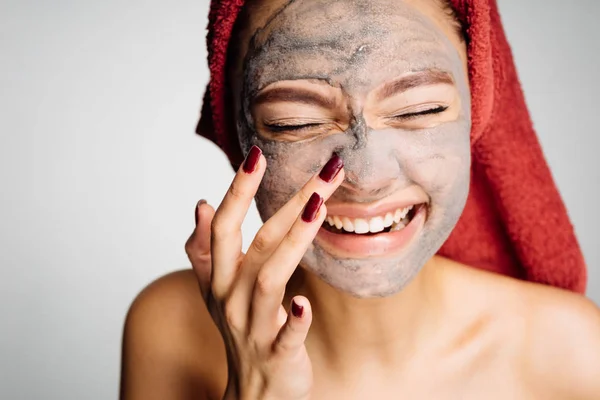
197 246
226 235
271 233
274 230
273 276
292 335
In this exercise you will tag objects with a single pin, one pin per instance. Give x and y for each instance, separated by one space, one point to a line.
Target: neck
385 331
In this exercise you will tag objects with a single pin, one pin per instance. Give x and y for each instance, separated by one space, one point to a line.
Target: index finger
275 228
226 227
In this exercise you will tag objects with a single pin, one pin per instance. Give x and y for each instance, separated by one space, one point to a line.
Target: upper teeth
374 225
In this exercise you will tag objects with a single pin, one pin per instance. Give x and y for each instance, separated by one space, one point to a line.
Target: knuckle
202 263
216 224
283 346
216 289
254 338
293 238
261 241
266 284
218 229
189 247
304 196
232 318
198 260
236 190
191 244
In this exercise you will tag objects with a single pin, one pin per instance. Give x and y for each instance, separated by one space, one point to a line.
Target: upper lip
401 199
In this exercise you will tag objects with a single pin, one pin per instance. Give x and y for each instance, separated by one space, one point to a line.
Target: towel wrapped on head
514 222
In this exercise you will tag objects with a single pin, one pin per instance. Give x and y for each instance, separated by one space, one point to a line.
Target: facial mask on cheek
378 163
290 165
436 160
437 165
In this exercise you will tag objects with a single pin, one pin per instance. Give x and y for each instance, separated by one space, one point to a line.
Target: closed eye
276 128
282 127
408 116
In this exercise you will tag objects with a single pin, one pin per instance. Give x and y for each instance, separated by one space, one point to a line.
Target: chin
364 278
382 264
373 265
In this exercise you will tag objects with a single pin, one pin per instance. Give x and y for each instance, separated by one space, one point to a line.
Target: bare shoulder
171 348
554 333
563 341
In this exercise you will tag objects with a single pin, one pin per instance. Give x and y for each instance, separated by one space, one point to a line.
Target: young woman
356 120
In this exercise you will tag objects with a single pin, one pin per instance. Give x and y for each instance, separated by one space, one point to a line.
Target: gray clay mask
380 85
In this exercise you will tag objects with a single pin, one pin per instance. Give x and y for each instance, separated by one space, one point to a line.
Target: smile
382 232
391 221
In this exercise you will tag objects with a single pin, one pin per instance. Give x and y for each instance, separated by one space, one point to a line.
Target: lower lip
382 244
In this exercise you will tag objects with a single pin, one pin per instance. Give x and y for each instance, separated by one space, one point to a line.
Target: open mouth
390 222
385 235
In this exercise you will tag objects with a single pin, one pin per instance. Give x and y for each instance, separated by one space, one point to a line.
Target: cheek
289 167
281 181
439 159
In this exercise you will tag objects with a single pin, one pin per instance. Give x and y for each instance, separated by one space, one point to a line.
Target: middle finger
275 228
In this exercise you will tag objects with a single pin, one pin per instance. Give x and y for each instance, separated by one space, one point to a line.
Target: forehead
350 43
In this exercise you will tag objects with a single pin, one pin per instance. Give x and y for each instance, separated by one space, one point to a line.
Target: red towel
514 222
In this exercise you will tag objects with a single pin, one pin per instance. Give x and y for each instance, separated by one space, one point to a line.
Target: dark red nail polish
252 159
196 209
332 168
312 208
297 309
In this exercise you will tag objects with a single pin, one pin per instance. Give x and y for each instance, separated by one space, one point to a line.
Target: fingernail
297 309
196 209
252 159
312 208
332 168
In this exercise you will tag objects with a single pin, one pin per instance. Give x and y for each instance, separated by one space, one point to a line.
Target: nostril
365 191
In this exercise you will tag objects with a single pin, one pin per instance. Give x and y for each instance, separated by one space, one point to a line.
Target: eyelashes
413 115
286 127
277 128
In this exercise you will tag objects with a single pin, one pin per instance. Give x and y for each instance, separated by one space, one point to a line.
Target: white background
100 169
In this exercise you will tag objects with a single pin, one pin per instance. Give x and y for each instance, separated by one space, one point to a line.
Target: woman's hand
267 358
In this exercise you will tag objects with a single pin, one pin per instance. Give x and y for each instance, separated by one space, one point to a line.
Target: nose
372 171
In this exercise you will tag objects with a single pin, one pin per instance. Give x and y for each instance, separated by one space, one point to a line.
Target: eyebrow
429 77
296 95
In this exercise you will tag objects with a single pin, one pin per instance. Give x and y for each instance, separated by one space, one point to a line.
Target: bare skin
404 324
522 341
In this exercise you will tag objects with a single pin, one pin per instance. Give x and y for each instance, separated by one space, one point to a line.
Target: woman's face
381 83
